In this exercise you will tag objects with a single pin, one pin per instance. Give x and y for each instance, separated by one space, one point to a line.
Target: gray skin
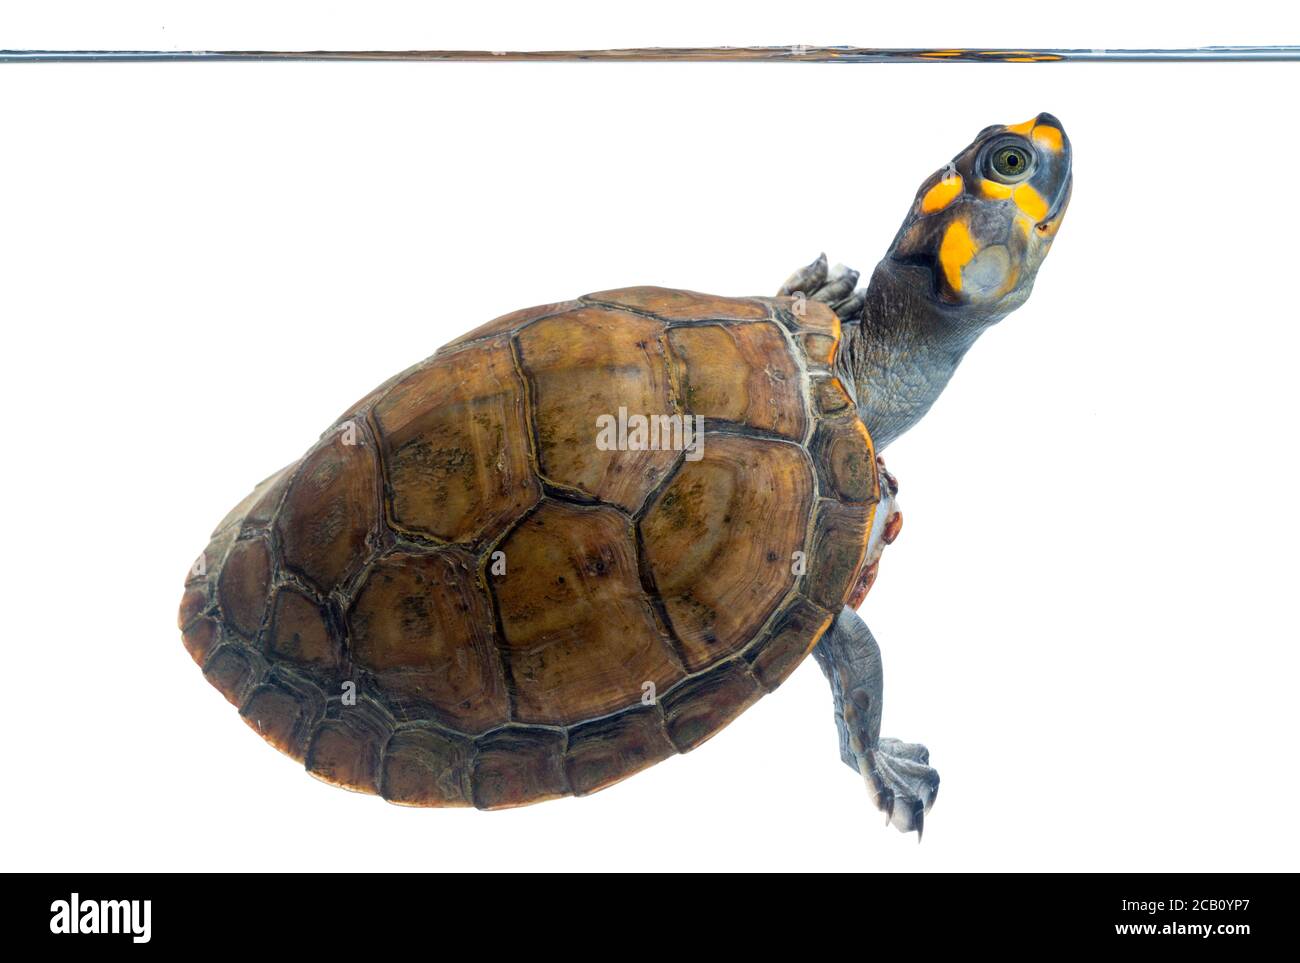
965 258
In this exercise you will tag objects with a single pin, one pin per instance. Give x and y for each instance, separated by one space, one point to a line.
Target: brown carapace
458 596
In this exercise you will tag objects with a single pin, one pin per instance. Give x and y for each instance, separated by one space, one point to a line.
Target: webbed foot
836 287
898 774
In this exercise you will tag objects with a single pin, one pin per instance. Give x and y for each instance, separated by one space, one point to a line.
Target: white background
1090 617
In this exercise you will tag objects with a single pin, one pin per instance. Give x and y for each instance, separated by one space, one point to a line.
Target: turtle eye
1010 162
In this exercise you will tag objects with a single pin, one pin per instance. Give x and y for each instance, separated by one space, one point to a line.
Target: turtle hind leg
897 774
836 287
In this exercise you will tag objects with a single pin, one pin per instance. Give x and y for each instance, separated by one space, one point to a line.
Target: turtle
587 535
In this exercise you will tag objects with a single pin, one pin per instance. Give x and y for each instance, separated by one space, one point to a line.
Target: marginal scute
609 750
819 349
581 637
740 373
193 602
331 509
846 461
344 757
830 395
455 440
839 545
231 671
244 585
586 365
199 638
236 515
514 767
813 317
720 540
345 749
283 711
421 625
792 636
272 492
277 717
360 409
700 707
425 767
210 559
509 323
677 305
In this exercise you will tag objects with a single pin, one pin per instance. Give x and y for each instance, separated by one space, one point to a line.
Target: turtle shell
460 596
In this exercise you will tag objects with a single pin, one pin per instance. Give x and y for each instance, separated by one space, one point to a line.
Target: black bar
331 911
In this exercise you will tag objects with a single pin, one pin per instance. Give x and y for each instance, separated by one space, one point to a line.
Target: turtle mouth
1054 214
1057 161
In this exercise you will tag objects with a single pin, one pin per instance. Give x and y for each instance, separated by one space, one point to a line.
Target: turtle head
980 227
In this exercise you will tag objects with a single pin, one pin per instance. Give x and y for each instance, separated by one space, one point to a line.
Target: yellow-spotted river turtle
586 536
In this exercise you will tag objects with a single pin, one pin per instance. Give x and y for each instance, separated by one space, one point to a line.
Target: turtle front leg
837 287
898 774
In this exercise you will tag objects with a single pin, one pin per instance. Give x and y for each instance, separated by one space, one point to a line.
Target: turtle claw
901 783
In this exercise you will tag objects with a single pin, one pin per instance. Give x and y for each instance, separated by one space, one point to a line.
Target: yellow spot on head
1048 231
1023 129
941 194
1030 201
956 251
1048 138
995 191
